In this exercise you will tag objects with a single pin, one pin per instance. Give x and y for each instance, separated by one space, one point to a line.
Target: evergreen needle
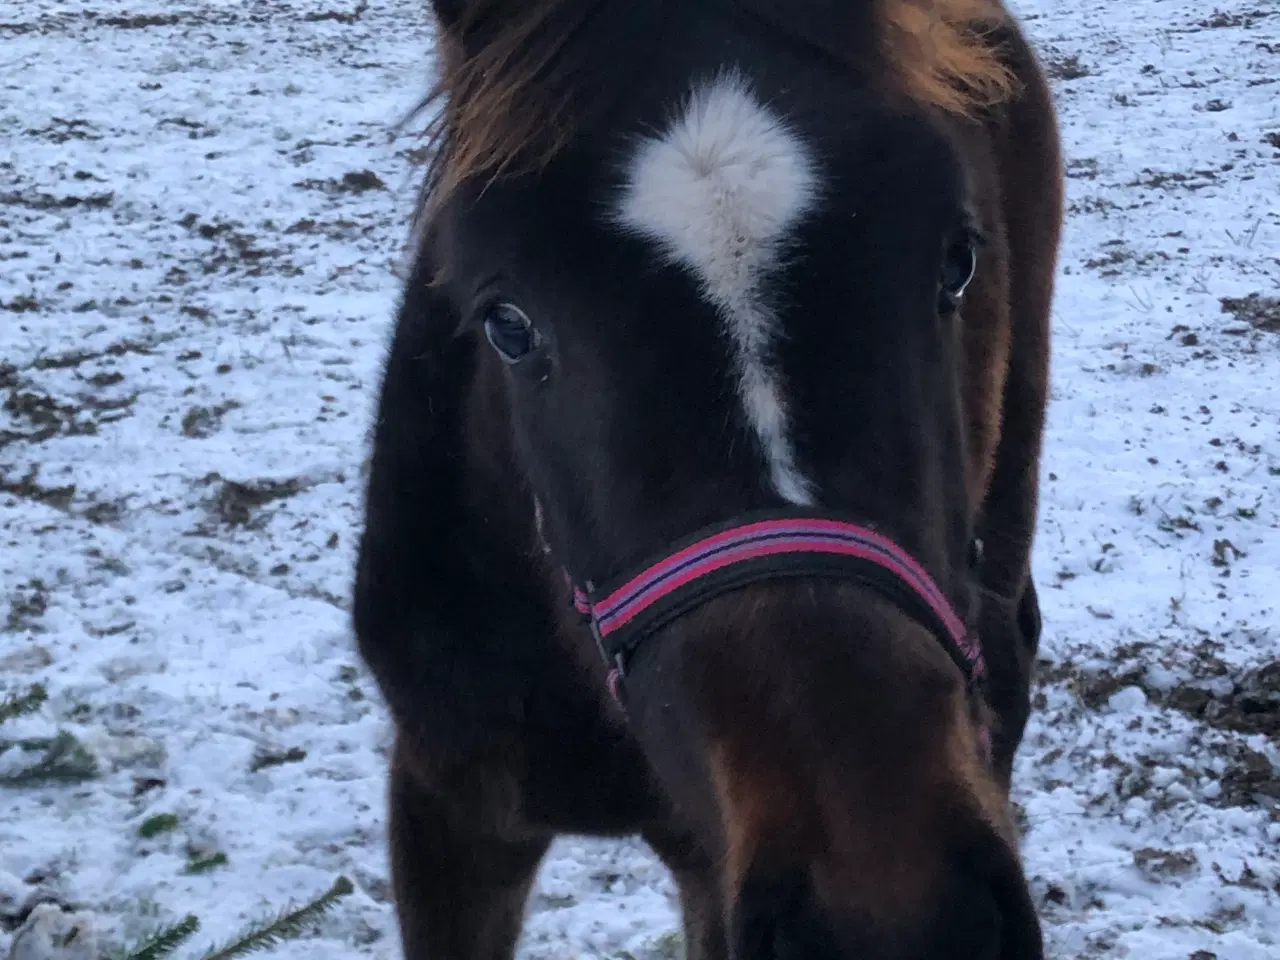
289 925
165 941
28 702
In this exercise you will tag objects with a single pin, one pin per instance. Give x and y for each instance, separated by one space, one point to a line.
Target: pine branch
197 864
155 825
166 940
289 925
66 760
28 702
27 744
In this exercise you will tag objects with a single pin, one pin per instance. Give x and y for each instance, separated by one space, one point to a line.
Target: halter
759 546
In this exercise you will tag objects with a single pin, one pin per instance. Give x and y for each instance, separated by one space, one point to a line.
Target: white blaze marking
718 192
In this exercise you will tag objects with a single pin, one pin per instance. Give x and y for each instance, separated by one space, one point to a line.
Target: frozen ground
201 209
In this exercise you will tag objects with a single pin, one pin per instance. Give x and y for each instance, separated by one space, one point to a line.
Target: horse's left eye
510 332
958 267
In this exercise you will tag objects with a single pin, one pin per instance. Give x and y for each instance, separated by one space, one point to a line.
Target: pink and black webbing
767 546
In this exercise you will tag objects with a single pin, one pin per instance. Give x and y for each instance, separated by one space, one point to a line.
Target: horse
704 474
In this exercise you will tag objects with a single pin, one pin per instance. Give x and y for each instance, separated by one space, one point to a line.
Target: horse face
726 300
732 313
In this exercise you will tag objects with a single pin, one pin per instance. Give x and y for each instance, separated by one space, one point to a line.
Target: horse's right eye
958 268
510 332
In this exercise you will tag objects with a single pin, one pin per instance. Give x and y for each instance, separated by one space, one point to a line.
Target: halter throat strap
765 546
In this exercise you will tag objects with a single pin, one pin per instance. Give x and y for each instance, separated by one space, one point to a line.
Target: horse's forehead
718 192
720 187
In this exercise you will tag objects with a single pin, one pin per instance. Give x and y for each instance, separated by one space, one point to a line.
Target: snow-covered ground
202 206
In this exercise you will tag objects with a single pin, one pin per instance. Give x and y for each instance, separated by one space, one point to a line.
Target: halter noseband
765 545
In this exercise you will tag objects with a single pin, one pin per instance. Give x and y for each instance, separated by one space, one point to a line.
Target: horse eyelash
486 295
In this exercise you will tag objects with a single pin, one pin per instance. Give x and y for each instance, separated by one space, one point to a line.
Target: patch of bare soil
1260 312
28 488
235 502
1252 706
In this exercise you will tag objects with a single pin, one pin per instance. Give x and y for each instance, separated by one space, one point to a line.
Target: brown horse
705 472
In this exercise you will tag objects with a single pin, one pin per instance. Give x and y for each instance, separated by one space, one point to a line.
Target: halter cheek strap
769 545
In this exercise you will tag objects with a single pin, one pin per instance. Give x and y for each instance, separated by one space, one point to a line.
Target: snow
203 208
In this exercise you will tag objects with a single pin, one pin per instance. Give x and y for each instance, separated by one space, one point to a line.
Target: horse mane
507 102
943 52
502 108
